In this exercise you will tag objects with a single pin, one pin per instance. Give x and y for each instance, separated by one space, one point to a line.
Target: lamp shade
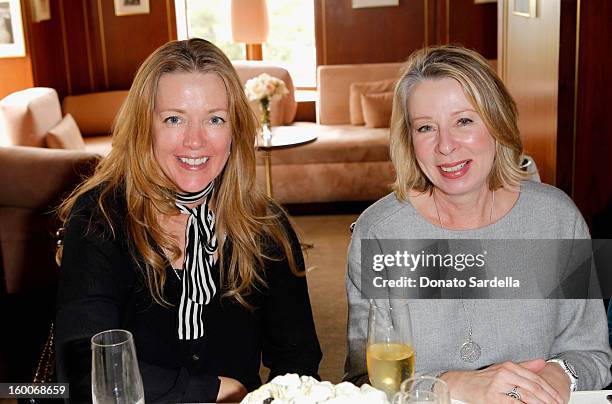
249 21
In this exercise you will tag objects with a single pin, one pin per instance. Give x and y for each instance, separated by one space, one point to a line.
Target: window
211 20
291 41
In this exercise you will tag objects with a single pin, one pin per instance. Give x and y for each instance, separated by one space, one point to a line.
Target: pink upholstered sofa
344 163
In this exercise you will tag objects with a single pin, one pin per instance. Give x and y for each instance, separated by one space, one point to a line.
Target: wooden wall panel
368 35
474 26
128 40
531 59
16 75
96 43
438 21
84 47
567 96
390 34
46 39
593 153
578 32
79 46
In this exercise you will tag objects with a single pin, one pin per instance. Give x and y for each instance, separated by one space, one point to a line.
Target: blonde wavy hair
241 209
486 93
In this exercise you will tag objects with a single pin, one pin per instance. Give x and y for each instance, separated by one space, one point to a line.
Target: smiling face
192 133
453 146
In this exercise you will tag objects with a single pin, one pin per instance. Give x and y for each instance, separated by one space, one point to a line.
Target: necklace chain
440 218
470 350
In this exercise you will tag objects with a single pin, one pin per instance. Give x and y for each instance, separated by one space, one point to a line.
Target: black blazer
102 288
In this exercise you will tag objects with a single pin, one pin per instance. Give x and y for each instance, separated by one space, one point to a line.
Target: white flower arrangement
293 389
263 87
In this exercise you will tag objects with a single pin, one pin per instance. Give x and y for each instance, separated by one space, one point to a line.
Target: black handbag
45 369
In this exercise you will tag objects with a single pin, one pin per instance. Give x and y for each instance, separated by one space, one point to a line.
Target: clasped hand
537 382
230 390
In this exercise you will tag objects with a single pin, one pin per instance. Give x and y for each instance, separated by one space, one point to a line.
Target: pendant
470 351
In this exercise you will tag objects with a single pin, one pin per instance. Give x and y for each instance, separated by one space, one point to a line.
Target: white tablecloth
595 397
581 397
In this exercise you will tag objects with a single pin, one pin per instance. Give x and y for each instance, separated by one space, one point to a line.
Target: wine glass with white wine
389 352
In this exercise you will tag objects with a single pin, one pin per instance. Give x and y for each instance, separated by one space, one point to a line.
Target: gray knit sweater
516 330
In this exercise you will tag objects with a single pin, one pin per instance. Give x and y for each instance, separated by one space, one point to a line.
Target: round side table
282 137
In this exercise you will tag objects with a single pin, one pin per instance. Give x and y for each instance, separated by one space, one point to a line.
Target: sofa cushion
333 87
335 144
368 87
282 109
65 135
29 114
377 109
94 113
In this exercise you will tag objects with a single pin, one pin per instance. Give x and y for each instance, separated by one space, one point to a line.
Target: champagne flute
389 352
115 377
423 389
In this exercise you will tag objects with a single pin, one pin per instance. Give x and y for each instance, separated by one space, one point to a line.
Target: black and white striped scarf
200 256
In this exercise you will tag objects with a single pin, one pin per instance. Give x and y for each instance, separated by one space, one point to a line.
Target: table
581 397
282 137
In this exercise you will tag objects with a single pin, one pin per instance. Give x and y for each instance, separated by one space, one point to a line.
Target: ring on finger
514 393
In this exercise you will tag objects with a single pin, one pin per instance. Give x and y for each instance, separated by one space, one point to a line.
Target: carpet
325 272
326 269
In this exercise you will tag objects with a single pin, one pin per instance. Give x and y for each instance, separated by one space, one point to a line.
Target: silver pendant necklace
469 351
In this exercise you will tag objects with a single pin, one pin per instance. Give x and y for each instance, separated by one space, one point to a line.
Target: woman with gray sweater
457 151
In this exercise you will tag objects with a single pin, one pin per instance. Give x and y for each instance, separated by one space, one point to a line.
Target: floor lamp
250 25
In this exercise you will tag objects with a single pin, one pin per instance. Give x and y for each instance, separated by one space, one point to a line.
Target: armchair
33 181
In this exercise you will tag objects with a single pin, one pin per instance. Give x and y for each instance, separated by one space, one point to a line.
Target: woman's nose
446 142
194 136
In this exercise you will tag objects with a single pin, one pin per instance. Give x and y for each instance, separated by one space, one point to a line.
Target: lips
455 170
192 163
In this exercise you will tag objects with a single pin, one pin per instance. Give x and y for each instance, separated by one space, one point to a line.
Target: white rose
264 86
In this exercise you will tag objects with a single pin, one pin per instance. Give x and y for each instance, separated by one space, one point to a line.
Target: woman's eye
464 121
424 128
217 120
172 120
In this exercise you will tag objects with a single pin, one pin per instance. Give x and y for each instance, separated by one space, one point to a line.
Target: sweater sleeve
583 335
290 343
96 280
355 365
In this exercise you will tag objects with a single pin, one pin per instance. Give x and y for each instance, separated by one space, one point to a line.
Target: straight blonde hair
241 209
486 93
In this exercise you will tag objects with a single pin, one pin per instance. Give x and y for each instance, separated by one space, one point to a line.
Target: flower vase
266 127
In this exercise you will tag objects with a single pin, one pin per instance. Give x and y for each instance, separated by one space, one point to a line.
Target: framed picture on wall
374 3
524 8
130 7
11 29
41 10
